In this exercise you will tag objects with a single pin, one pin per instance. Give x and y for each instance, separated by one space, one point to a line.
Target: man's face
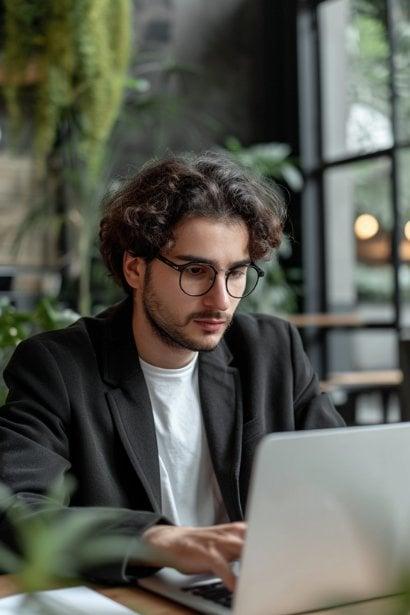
183 321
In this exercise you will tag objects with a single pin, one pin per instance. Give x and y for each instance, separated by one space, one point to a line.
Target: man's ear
134 270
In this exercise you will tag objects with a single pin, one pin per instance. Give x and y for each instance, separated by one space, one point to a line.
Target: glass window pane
404 200
402 66
355 77
358 235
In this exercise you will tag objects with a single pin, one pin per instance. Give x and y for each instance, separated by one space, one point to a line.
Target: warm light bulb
407 230
366 226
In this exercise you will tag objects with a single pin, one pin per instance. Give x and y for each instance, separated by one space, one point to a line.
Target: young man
157 405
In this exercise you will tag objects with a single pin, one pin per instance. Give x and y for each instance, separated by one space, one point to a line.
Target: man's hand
194 550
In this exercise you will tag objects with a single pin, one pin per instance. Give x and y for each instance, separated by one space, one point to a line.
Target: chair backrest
404 345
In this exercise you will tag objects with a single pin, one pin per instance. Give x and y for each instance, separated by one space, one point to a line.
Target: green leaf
272 152
9 561
139 85
292 176
233 144
49 317
62 490
270 160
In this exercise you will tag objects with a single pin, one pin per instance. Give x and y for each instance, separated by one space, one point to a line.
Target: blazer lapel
129 401
128 398
221 408
131 410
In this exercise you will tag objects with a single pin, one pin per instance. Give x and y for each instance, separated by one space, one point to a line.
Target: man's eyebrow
192 258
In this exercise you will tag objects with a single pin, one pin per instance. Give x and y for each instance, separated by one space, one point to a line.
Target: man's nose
218 297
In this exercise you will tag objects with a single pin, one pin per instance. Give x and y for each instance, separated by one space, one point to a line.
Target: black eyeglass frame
181 269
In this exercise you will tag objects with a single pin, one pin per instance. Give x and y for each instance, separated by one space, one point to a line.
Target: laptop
328 524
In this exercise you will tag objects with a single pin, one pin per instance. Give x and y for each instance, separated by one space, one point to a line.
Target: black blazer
78 403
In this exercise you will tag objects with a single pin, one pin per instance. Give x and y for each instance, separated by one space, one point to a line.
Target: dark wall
278 72
233 74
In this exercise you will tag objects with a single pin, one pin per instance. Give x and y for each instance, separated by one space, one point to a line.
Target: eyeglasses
196 279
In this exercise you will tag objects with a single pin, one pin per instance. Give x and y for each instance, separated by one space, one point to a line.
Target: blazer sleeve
35 454
313 409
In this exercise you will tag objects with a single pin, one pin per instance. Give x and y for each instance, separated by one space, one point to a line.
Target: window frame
314 166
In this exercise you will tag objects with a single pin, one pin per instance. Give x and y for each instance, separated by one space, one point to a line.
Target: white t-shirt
189 490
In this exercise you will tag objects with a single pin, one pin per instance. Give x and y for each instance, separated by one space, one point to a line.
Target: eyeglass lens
197 279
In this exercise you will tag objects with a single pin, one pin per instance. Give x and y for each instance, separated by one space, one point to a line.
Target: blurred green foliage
272 161
16 325
56 545
65 68
78 54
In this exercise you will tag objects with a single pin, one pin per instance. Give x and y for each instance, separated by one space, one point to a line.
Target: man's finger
221 568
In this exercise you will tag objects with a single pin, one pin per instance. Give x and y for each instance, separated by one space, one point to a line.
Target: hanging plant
64 71
70 58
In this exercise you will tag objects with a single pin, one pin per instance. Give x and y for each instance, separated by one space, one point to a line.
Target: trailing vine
64 66
69 58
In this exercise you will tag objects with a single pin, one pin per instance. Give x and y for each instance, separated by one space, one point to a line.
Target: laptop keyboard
217 592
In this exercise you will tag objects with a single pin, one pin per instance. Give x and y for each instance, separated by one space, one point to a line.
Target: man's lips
213 321
210 324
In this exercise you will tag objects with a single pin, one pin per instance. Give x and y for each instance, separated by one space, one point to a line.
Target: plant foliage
17 325
270 161
58 545
65 67
74 55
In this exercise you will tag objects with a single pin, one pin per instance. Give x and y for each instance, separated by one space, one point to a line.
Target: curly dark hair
139 218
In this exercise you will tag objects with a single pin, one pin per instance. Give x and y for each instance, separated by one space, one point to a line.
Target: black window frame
314 166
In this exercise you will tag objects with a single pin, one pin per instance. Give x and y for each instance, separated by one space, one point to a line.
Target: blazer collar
128 397
220 402
120 356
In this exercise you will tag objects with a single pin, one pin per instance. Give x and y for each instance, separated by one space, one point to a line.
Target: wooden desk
327 320
383 378
145 603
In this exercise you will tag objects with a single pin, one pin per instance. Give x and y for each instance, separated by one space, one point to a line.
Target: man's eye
237 274
196 271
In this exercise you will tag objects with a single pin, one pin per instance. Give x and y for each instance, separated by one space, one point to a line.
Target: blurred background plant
85 98
16 325
272 161
65 67
57 546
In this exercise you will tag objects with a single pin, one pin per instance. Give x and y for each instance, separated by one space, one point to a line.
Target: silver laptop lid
329 519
